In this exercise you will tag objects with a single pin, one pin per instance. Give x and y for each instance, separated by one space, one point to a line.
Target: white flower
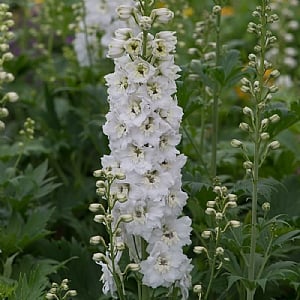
162 15
163 266
174 233
139 71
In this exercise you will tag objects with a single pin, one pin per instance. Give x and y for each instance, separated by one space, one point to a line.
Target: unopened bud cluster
261 87
6 35
60 291
218 209
28 131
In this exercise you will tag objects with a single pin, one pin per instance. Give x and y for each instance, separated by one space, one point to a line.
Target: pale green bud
210 211
274 145
94 207
236 143
95 240
231 204
219 251
206 234
127 218
274 118
232 197
133 267
234 223
264 136
72 293
99 218
219 216
99 257
244 126
197 289
211 203
3 112
266 206
199 249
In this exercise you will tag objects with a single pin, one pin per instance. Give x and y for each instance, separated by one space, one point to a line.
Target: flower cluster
143 130
96 18
261 90
219 210
5 55
60 291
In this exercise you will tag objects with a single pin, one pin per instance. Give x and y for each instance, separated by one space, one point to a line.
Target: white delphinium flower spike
142 126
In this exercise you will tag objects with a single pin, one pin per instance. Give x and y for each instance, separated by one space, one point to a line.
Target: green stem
213 265
215 112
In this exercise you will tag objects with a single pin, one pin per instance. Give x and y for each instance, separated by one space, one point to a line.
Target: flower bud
266 206
275 74
236 143
244 126
3 112
120 246
232 197
133 267
99 257
127 218
211 203
162 15
219 216
145 22
216 9
231 204
274 118
234 223
72 293
264 136
120 176
95 240
99 218
197 289
100 184
50 296
220 251
247 111
206 234
94 207
199 249
98 173
210 211
274 145
125 11
273 89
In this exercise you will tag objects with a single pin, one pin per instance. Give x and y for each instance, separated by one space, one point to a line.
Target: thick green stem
213 265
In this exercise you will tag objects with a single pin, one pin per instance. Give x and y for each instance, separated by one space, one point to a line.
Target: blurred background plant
52 140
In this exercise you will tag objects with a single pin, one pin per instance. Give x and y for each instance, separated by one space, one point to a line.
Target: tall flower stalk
143 131
261 90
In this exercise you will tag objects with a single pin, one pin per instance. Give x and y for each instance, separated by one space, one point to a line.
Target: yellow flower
227 11
188 11
160 4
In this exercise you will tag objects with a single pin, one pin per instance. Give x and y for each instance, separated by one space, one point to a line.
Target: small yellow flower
188 11
227 11
160 4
